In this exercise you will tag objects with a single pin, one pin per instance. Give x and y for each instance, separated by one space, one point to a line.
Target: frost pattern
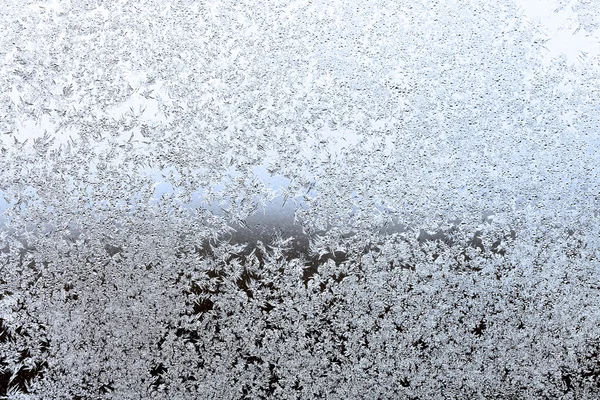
445 181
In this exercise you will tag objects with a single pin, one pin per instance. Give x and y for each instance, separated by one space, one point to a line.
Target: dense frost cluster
445 179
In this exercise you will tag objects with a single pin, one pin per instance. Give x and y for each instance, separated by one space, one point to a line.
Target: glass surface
299 199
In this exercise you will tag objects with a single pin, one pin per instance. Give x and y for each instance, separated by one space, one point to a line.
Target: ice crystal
296 199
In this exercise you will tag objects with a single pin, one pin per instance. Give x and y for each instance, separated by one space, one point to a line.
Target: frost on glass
296 199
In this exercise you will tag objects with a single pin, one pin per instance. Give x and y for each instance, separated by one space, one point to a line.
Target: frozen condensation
296 200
